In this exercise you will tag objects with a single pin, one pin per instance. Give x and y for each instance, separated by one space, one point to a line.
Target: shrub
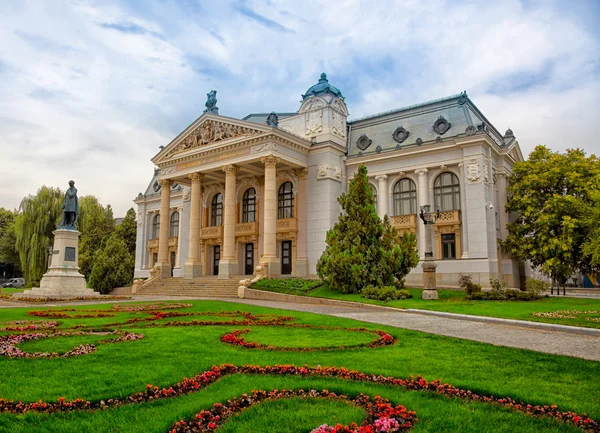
386 293
113 266
295 286
466 283
537 287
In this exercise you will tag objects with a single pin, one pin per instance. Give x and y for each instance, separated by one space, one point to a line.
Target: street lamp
429 265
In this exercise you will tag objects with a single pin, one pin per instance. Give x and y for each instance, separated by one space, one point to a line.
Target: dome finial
323 76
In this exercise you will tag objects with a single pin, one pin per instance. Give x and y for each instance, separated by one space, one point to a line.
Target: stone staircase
197 287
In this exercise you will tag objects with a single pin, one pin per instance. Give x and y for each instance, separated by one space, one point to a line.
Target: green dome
321 87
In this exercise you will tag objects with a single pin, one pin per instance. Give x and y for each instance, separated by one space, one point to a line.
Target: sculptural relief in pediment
210 132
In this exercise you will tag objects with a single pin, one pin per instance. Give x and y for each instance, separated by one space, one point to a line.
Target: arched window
446 191
286 201
156 226
374 192
216 215
249 206
405 197
174 225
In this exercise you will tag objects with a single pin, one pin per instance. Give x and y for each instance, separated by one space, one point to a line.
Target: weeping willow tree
39 215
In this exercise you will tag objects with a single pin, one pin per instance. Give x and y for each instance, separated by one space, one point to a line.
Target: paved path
540 340
548 341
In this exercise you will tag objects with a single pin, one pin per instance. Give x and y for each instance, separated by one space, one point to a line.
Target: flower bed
232 338
202 380
28 325
568 314
9 343
381 415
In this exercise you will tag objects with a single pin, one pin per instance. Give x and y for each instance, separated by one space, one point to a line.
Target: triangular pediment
209 130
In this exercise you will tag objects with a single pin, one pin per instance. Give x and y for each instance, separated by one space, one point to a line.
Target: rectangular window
449 246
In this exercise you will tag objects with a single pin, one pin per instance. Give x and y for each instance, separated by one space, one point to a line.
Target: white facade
442 153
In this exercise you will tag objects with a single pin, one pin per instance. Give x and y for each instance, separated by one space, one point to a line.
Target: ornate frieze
264 147
301 173
187 192
210 132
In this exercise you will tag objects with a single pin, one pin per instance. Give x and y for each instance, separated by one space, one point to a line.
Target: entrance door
173 256
249 259
216 258
286 257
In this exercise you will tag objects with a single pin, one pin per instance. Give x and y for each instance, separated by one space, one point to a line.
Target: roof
262 117
321 87
419 124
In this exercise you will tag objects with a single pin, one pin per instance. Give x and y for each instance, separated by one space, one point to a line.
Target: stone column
301 244
163 265
423 194
269 257
463 212
382 195
179 232
228 264
193 264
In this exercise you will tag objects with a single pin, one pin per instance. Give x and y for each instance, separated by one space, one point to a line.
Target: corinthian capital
165 182
381 177
196 177
302 173
230 169
270 160
421 171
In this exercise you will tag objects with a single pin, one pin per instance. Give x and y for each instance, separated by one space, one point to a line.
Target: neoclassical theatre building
229 194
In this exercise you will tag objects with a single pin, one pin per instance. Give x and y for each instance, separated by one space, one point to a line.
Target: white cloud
90 91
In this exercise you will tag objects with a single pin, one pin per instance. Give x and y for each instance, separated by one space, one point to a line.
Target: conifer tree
361 250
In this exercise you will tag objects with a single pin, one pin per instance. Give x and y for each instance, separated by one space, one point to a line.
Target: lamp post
429 265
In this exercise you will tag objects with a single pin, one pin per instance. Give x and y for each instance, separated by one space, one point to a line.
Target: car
15 282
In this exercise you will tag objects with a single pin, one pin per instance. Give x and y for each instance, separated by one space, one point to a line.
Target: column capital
196 177
230 169
381 177
421 171
270 160
165 182
302 173
461 166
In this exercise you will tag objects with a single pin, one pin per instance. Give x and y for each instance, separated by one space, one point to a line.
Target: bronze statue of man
70 208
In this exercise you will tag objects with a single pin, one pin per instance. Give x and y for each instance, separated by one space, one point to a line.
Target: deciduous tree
551 195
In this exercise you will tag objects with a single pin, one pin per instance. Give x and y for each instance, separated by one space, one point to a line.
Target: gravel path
539 340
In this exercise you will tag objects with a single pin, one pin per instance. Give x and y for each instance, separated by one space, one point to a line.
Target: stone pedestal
429 279
63 279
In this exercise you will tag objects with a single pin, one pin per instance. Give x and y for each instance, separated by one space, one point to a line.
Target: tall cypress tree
361 250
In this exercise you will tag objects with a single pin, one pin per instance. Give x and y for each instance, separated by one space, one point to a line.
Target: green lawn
10 290
453 301
168 354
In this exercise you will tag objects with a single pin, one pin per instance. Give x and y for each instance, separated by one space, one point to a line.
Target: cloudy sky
89 90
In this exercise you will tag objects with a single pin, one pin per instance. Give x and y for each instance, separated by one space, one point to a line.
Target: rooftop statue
70 208
273 120
211 103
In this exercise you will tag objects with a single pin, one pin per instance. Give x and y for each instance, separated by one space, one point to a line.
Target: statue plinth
63 279
429 279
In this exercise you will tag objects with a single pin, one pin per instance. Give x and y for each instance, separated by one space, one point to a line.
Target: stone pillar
163 265
228 265
382 195
269 257
301 241
463 213
193 264
423 194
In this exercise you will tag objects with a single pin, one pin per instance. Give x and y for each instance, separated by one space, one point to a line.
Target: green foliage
361 251
113 266
504 295
38 217
386 293
465 282
291 286
127 231
536 286
96 223
555 196
9 256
